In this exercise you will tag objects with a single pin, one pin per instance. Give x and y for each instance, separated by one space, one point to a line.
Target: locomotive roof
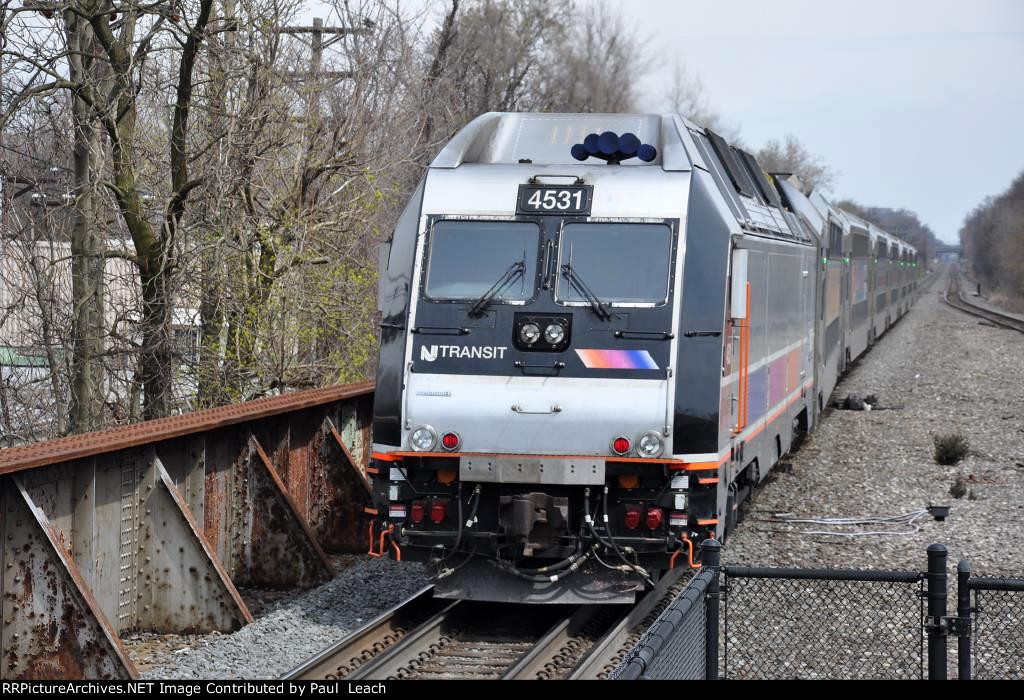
762 204
874 231
546 139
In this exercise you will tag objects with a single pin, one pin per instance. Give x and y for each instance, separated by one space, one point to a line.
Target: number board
573 200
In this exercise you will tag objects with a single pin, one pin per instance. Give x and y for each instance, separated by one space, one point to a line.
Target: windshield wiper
514 270
575 281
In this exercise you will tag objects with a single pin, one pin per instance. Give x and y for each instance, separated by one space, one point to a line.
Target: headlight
529 333
423 438
554 334
650 445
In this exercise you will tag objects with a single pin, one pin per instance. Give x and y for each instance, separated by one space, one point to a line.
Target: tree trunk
154 250
87 262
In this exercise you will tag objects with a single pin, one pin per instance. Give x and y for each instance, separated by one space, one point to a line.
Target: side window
860 246
835 240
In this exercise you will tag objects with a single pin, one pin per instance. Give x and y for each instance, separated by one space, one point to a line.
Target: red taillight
437 512
416 513
654 518
620 445
632 519
450 441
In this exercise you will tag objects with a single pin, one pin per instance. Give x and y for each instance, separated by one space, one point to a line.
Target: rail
425 637
954 296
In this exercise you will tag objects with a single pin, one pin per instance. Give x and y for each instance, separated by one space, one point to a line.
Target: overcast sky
918 104
915 103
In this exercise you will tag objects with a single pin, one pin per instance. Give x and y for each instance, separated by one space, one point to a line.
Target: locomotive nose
550 414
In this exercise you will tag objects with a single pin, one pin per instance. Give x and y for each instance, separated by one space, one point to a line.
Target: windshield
620 263
467 258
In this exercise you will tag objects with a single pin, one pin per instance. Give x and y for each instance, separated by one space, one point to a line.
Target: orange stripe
707 521
746 362
397 456
711 480
702 466
371 511
387 456
776 411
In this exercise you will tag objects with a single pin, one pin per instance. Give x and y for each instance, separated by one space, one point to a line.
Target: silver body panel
523 469
545 139
479 408
592 411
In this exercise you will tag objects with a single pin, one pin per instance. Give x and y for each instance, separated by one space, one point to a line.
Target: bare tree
232 174
790 156
687 96
992 238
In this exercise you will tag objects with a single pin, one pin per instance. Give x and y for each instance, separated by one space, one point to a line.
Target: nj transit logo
430 353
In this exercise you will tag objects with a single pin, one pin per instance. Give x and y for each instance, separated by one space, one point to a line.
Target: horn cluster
613 148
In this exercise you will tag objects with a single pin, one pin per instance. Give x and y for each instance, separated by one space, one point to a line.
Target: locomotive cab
554 410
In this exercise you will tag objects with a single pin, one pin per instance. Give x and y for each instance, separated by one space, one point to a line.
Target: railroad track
425 637
954 297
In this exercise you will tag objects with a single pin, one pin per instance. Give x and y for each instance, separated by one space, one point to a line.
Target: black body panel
446 340
394 304
699 368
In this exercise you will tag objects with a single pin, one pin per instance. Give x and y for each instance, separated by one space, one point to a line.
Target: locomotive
598 334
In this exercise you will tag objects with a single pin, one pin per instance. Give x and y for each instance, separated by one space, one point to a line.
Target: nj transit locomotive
599 333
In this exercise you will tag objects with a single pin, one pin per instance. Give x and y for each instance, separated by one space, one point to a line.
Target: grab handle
516 408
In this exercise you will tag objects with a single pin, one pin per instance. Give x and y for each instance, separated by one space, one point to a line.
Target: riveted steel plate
522 469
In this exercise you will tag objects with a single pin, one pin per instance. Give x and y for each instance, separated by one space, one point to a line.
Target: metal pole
963 611
712 557
936 612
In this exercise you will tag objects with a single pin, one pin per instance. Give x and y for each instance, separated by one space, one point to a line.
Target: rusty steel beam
184 589
65 449
346 528
136 544
350 460
158 522
53 627
282 551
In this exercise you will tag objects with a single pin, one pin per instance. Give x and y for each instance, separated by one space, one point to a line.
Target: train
599 333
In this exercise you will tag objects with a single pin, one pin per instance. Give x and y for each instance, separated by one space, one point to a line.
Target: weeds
950 448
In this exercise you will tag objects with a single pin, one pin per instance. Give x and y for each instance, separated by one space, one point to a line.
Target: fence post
963 611
711 554
936 612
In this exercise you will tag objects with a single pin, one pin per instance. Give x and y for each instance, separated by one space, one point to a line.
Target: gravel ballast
937 371
294 630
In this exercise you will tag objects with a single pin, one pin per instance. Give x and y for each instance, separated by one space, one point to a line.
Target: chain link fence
810 624
674 648
771 623
993 646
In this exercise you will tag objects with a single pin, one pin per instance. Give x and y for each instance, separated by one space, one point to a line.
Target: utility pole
315 75
314 80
